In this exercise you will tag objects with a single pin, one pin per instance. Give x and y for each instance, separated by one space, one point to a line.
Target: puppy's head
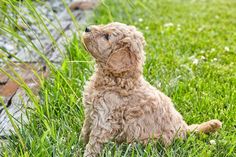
117 46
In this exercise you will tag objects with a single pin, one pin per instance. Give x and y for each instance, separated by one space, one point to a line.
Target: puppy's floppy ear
121 60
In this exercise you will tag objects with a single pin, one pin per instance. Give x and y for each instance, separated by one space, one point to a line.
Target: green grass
200 31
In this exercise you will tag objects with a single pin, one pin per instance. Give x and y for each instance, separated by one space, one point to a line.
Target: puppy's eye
107 36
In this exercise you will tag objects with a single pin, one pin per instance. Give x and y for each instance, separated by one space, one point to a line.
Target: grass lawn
191 57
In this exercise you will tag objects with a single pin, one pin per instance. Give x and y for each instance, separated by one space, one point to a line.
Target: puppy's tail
206 127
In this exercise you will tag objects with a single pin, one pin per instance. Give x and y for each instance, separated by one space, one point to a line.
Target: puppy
119 103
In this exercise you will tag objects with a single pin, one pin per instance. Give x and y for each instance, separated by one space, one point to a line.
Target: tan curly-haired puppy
119 103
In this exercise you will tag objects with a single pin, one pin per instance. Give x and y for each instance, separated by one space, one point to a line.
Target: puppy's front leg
98 137
86 130
86 126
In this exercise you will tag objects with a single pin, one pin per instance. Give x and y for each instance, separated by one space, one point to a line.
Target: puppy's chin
86 42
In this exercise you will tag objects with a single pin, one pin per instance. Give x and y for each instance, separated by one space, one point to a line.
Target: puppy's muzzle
87 29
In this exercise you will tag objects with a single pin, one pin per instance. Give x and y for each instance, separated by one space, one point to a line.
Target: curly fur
119 104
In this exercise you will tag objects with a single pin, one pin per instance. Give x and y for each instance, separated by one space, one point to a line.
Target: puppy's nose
87 29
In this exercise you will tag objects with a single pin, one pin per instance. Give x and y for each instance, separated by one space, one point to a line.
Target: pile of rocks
47 36
55 21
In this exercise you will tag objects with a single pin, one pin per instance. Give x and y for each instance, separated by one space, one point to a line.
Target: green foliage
191 56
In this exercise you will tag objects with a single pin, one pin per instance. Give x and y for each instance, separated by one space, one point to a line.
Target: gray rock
28 54
1 43
9 47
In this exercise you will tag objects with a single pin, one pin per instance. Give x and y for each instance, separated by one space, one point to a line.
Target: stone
9 88
52 12
9 47
22 26
83 4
